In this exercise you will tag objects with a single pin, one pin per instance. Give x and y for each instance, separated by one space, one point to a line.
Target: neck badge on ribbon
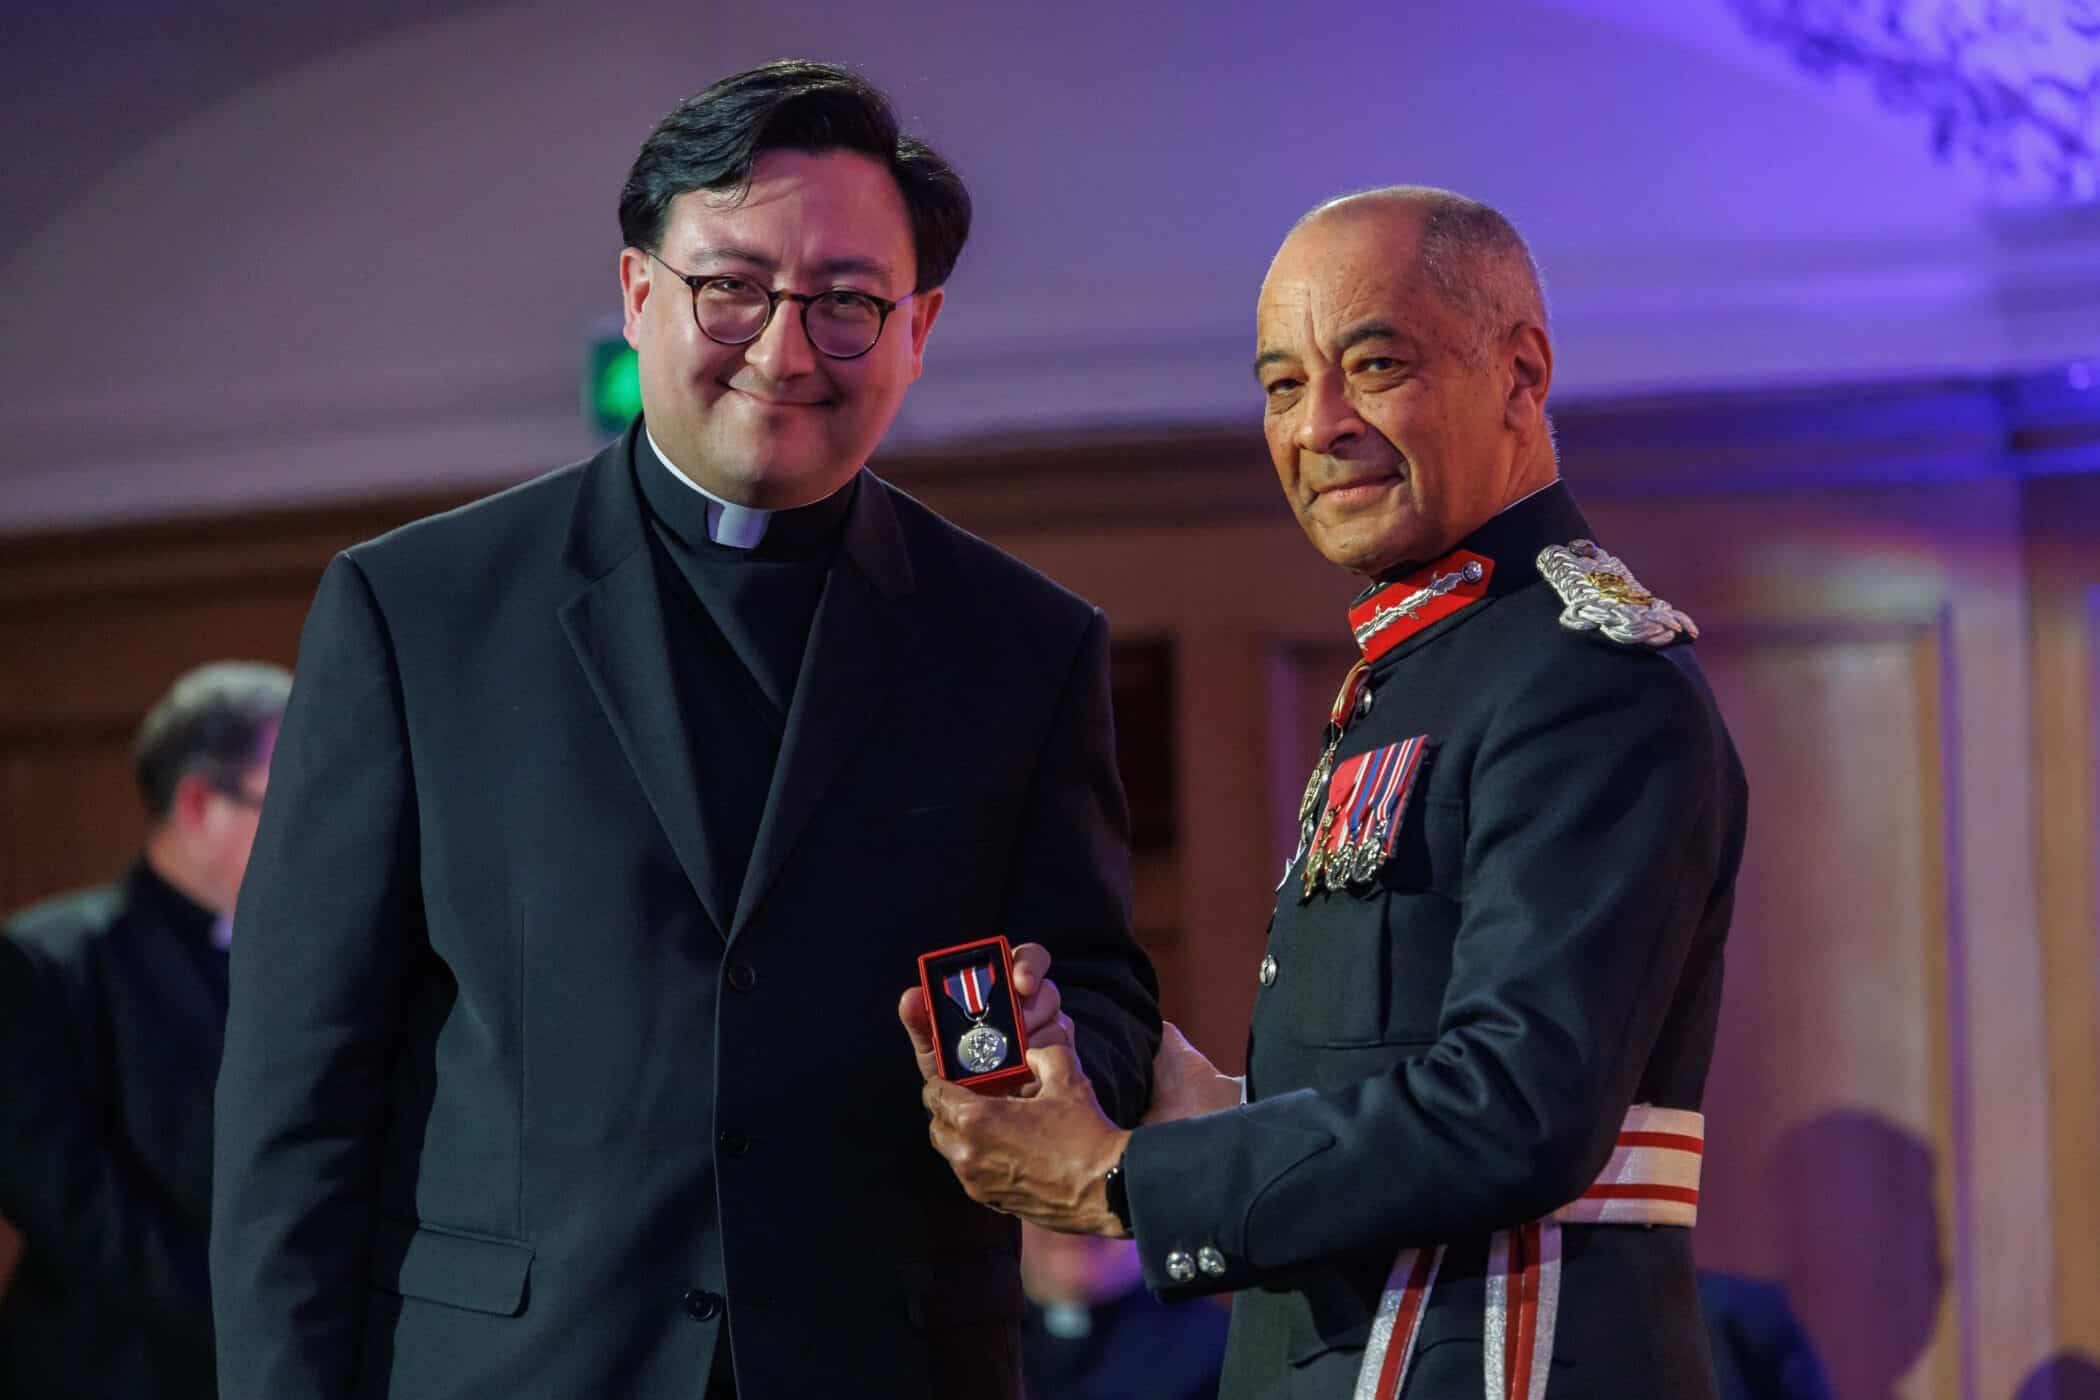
982 1048
1351 811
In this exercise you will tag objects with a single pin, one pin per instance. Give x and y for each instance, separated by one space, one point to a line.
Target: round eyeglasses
842 324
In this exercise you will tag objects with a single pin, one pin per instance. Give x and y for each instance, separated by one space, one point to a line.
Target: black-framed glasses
842 324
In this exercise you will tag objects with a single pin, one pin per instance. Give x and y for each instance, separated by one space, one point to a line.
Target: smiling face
1395 432
774 423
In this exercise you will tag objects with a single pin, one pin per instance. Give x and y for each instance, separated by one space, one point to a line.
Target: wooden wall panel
80 677
72 814
1866 555
1909 1065
1828 1108
95 625
2063 521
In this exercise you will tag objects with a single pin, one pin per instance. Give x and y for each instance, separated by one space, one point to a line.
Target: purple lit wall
368 262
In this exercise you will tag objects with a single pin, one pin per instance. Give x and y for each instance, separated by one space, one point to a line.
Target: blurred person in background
112 1012
2065 1376
1761 1351
1094 1333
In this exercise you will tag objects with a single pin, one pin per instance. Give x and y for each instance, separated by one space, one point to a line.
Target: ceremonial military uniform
1522 868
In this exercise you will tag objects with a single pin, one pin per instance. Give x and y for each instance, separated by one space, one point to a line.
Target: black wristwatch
1118 1196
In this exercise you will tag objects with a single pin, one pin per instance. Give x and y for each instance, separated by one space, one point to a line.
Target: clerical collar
689 519
728 524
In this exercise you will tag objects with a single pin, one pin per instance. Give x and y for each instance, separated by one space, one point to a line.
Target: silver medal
981 1049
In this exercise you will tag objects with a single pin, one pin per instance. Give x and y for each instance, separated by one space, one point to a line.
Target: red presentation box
979 1040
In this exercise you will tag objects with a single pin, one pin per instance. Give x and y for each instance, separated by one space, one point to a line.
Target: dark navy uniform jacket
1451 1050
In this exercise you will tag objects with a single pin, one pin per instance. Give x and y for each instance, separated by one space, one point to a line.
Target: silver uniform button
1364 701
1268 969
1211 1261
1180 1267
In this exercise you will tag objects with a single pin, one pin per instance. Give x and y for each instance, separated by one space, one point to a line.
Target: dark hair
710 140
211 722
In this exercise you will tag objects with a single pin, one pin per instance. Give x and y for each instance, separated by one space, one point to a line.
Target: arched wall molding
378 269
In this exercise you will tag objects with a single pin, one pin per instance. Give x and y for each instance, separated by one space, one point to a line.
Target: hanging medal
1310 814
981 1048
1387 804
1354 863
1325 866
1360 819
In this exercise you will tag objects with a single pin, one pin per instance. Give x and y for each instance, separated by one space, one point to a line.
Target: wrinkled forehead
1327 282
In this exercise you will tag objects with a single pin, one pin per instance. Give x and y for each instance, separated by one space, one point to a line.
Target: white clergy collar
728 524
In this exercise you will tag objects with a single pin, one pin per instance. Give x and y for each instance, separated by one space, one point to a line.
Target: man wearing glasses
112 1005
611 813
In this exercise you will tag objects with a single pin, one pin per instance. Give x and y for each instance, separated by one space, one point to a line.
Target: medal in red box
979 1040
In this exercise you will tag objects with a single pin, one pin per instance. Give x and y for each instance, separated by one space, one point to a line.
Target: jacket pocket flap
458 1270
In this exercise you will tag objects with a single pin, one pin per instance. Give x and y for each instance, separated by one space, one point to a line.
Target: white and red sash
1652 1179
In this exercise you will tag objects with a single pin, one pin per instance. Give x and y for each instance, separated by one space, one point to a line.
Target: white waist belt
1652 1179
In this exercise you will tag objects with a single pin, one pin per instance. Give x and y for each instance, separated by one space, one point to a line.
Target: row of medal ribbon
1366 798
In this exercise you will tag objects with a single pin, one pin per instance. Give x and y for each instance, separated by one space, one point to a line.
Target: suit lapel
848 665
617 628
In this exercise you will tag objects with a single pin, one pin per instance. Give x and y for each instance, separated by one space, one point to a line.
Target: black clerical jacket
112 1003
1448 1049
517 1100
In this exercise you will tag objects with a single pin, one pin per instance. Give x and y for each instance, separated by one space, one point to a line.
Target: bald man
1467 1155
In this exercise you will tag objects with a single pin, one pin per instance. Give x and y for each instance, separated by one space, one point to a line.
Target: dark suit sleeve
1069 887
328 918
85 1214
1595 837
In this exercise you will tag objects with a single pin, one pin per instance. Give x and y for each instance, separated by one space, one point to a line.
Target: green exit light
612 387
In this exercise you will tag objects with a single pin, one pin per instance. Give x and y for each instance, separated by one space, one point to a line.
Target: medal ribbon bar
971 988
1359 821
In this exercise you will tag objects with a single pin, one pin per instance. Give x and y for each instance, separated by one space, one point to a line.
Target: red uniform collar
1391 613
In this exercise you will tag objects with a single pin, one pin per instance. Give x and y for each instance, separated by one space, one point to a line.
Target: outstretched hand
1041 1158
